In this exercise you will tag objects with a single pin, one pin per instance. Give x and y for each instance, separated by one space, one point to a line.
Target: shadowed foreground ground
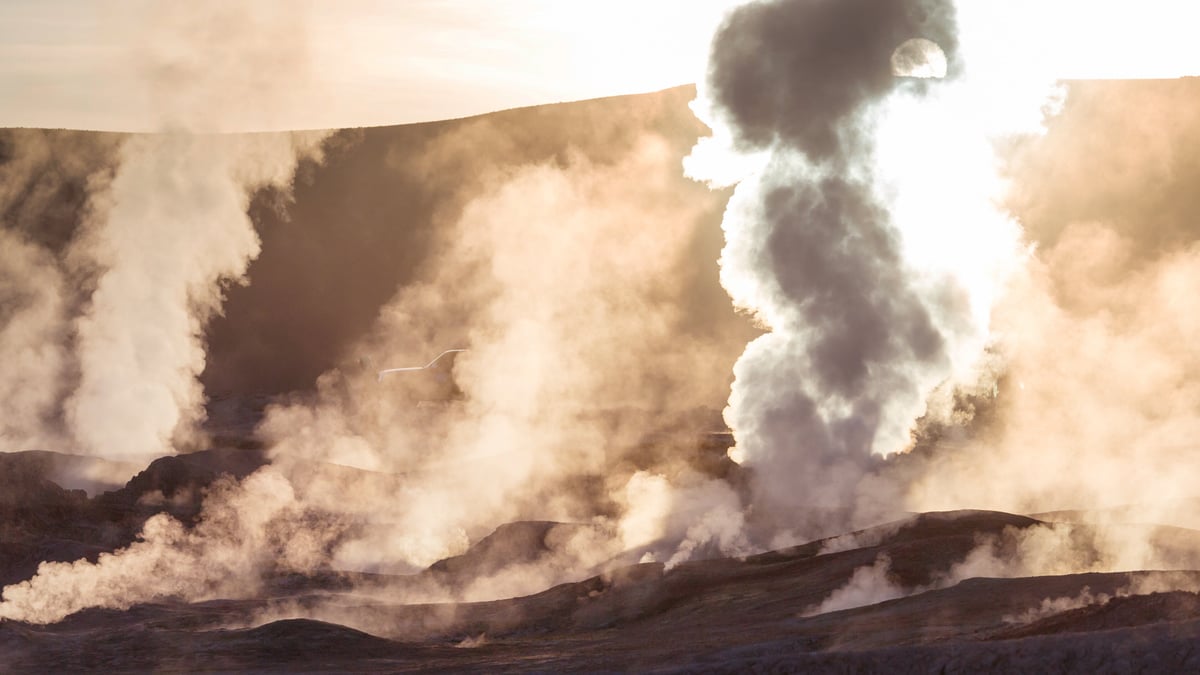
722 614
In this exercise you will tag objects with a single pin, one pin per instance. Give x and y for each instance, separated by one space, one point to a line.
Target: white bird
412 369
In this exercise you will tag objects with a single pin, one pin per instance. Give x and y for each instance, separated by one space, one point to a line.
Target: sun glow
1081 39
936 153
919 58
936 170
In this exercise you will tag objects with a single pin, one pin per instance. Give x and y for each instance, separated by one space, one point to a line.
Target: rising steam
875 282
108 321
172 227
875 235
44 179
565 283
112 372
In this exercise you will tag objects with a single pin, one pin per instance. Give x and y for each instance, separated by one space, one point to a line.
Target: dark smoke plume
857 338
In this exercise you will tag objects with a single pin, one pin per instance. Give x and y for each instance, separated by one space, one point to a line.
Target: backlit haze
871 158
75 63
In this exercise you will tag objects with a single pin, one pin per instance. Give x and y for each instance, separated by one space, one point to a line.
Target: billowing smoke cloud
32 340
1097 411
823 248
860 201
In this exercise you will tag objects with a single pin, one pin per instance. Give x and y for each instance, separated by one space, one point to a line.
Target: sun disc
920 58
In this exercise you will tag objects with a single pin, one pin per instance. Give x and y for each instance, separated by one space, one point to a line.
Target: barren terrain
720 614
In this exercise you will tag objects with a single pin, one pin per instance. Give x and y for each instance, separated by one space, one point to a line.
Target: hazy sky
76 63
83 63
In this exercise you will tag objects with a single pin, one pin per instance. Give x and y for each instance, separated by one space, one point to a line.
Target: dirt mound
301 640
175 485
516 543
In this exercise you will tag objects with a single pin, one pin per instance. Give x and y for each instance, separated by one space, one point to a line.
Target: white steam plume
170 231
31 343
173 226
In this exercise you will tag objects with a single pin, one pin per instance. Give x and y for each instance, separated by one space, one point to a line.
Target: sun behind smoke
919 58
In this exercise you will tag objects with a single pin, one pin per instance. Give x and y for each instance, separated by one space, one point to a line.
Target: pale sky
232 64
79 63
